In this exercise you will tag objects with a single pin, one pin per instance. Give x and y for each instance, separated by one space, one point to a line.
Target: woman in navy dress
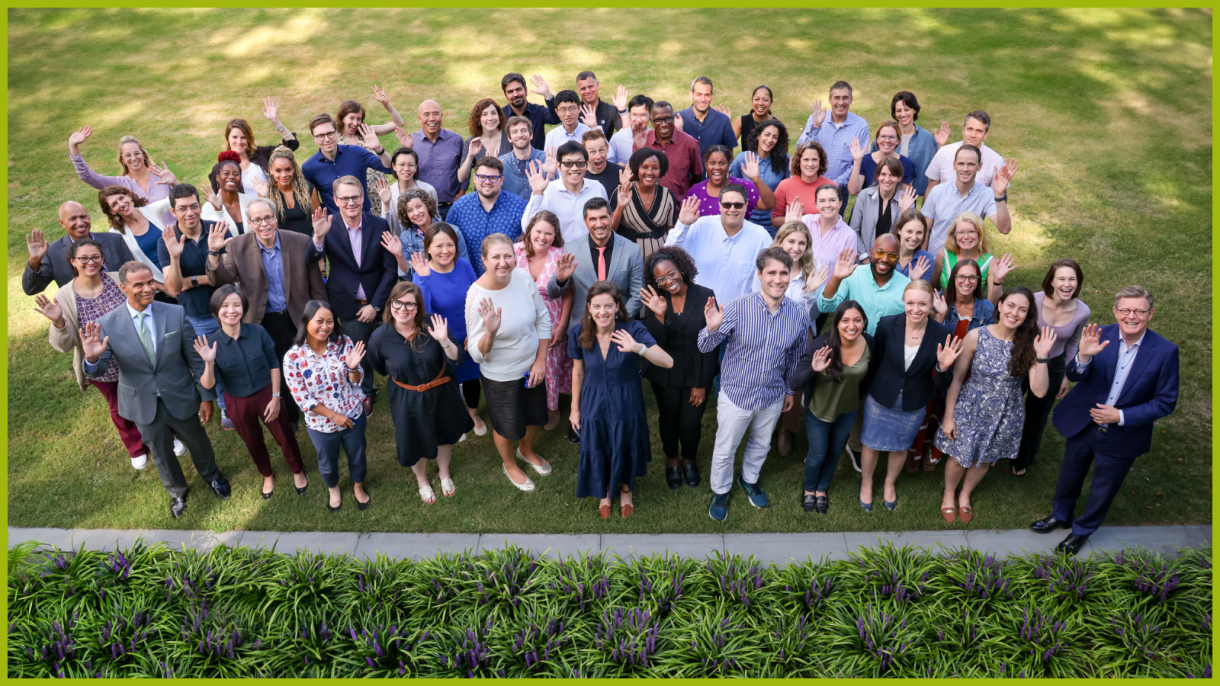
608 398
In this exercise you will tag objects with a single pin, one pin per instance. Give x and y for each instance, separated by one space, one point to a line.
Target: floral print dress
990 413
558 364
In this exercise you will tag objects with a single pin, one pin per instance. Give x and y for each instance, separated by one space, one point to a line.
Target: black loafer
807 503
267 495
822 504
691 474
365 505
221 487
573 437
177 507
302 489
673 477
1048 524
336 508
1072 544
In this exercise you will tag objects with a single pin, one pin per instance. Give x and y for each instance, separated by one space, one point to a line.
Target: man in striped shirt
766 334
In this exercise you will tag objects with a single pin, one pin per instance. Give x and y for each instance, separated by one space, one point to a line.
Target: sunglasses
732 205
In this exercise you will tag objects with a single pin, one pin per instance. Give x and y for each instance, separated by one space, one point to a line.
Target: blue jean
327 445
820 464
208 326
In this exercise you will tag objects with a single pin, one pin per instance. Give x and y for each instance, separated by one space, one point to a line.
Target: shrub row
152 611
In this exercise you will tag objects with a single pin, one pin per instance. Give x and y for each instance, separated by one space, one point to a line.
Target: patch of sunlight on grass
254 74
298 30
1092 16
670 49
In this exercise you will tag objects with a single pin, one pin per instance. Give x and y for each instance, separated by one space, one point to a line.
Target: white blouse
524 320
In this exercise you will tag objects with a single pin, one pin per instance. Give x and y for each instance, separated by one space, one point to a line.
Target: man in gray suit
154 345
49 261
601 255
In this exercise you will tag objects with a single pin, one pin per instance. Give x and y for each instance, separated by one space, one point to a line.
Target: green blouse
832 399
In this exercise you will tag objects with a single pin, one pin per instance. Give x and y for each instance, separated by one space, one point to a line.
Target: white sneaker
854 461
179 449
140 462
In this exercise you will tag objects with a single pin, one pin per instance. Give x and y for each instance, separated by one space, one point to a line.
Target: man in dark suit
275 276
1128 378
49 262
362 272
154 345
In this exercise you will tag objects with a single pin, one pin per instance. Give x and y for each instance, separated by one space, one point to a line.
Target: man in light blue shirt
878 289
622 143
965 194
571 128
835 133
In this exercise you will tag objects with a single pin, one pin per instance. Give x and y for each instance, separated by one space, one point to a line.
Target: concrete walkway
767 548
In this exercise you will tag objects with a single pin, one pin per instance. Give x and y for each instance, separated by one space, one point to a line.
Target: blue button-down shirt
539 117
244 364
477 223
273 267
350 160
439 162
835 139
716 129
192 262
877 301
1126 356
944 202
763 350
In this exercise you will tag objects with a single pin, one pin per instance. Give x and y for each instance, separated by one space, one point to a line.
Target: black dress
297 219
422 420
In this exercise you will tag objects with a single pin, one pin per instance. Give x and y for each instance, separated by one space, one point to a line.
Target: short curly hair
681 259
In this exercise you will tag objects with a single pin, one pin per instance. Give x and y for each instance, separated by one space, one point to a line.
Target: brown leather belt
440 379
362 302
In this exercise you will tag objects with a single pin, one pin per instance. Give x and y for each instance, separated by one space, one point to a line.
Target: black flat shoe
1048 524
267 495
691 474
335 508
177 507
302 489
1072 544
365 505
573 437
673 477
221 487
822 504
807 503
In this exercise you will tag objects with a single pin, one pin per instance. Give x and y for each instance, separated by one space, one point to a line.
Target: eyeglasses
668 278
398 305
259 221
887 138
187 208
579 164
967 279
664 120
88 259
567 110
485 178
325 136
1138 313
350 200
885 254
732 205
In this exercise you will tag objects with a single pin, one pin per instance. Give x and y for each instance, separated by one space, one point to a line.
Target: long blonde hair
977 221
299 191
807 263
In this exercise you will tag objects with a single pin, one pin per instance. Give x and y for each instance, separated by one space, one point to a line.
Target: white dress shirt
568 206
726 263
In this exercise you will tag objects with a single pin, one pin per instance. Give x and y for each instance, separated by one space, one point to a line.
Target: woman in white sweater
508 330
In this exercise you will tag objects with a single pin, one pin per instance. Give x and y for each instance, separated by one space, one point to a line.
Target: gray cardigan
864 217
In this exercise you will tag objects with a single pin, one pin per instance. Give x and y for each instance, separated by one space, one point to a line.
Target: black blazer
921 382
55 267
377 271
678 337
805 380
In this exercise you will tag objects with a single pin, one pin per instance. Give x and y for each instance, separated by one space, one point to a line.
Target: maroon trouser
128 431
246 414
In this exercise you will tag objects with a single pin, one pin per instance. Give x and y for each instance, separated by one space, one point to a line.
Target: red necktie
601 264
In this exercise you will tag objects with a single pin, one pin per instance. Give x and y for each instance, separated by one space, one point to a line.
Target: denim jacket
514 181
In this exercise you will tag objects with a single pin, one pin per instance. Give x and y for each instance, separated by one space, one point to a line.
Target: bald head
75 219
886 241
430 117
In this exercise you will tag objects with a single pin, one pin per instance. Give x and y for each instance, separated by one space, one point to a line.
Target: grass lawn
1108 112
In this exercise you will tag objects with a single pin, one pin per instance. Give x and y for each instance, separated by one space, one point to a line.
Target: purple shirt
439 162
826 248
709 205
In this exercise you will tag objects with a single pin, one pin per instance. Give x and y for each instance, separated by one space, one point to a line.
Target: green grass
1108 112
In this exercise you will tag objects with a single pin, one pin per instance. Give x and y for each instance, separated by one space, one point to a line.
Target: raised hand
588 116
723 110
174 243
260 187
942 134
354 356
92 344
1001 267
419 265
80 135
211 196
947 353
165 177
391 243
380 96
846 264
321 223
751 167
620 98
653 301
382 189
713 314
678 122
816 278
821 359
537 178
938 304
857 152
567 265
439 329
639 134
819 114
906 199
476 144
540 87
271 109
689 214
626 344
368 139
49 309
217 240
206 352
1045 341
921 267
404 138
490 314
1003 176
795 210
551 163
36 245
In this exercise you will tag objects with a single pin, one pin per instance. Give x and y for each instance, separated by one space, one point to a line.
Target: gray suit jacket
626 270
864 218
177 365
55 267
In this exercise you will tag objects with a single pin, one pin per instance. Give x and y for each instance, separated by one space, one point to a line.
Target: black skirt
513 407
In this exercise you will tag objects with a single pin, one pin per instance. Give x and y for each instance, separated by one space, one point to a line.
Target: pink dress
558 364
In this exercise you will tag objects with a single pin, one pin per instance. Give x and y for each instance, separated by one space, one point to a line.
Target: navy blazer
377 271
920 383
1149 393
804 379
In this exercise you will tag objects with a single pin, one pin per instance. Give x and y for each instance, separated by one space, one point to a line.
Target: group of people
631 241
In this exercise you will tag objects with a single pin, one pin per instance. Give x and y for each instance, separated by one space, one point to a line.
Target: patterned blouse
89 310
315 379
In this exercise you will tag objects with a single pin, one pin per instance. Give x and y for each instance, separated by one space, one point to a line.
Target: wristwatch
275 394
280 128
1042 360
1003 198
643 349
194 281
213 253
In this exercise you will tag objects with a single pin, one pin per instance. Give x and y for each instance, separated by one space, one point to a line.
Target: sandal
447 488
967 514
949 513
1014 473
603 510
912 465
929 464
625 509
427 495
